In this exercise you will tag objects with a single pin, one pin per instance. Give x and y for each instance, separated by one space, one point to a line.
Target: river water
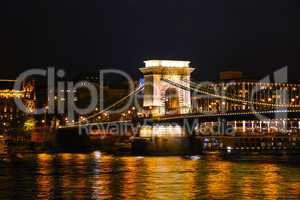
102 176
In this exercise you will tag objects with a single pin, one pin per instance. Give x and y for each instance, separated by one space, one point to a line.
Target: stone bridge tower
162 98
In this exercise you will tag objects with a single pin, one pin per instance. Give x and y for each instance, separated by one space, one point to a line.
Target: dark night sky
255 37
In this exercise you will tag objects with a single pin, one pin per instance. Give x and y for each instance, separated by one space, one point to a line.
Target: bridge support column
160 97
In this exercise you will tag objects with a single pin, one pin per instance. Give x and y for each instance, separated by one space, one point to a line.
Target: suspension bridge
269 113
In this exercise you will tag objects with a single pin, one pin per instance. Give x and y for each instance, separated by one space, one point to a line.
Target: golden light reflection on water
271 179
295 187
75 175
65 181
169 178
97 176
102 177
219 178
131 182
44 181
247 188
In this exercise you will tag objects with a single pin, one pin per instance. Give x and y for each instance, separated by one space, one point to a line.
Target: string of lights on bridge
229 114
134 92
196 87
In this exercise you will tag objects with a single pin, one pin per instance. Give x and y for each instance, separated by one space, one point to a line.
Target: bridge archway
172 101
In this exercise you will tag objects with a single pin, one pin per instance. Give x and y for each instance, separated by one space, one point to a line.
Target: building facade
247 95
9 112
235 95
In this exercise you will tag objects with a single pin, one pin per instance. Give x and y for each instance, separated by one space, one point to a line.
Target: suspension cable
227 97
137 90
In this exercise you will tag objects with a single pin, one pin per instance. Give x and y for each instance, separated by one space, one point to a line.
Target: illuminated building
8 109
241 95
161 97
235 95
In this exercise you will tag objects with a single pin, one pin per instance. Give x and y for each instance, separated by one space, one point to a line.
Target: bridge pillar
162 98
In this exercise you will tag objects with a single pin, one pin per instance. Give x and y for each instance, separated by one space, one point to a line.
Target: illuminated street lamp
45 115
269 99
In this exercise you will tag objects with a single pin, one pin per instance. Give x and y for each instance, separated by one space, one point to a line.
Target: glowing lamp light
166 63
97 154
229 149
